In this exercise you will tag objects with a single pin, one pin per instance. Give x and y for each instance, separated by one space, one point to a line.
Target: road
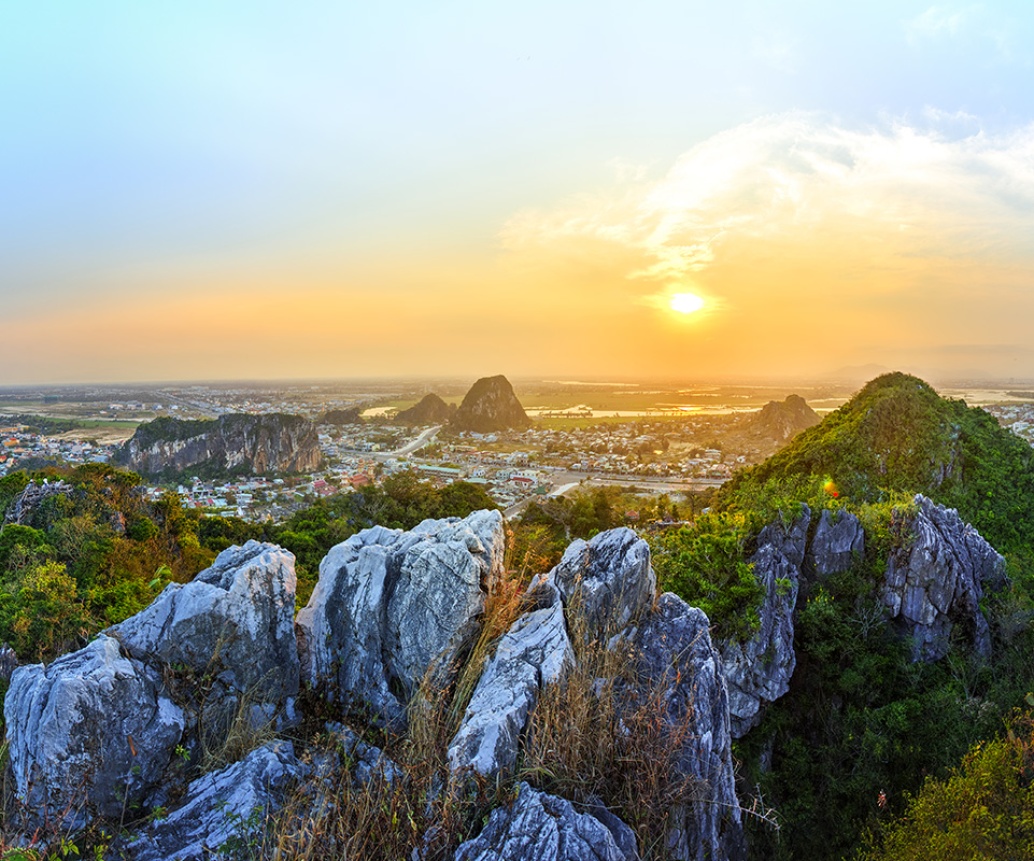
423 439
410 447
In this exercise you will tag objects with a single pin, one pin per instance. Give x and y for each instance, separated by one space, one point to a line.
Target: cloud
898 193
940 24
937 22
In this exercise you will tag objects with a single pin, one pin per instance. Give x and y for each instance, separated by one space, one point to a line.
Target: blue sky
302 168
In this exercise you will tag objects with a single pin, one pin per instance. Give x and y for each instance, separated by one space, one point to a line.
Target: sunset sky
199 190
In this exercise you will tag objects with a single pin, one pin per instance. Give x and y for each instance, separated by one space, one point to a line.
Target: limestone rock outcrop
24 506
541 827
608 580
253 444
535 652
224 810
392 606
98 730
838 543
431 410
934 584
758 671
680 673
234 621
782 420
89 734
490 405
607 593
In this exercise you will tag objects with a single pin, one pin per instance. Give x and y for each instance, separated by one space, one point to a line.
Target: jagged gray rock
934 584
24 506
225 810
96 731
680 677
234 621
758 671
533 653
90 735
838 542
368 762
608 581
391 606
541 827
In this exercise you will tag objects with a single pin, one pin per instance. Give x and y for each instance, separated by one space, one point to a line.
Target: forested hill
897 435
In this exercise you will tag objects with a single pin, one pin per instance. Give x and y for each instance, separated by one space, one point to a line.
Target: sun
686 303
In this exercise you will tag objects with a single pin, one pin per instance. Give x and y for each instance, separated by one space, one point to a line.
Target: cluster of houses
19 446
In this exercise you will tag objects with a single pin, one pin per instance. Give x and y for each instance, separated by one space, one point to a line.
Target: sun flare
686 303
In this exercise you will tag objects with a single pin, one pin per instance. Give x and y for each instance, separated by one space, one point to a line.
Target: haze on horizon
327 190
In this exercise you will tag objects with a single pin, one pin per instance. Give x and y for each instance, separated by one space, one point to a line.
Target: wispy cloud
938 22
908 192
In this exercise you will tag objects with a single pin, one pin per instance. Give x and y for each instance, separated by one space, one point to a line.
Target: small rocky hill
431 410
782 420
350 416
233 444
490 405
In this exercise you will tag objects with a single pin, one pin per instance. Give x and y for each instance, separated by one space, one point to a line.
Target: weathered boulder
838 542
90 735
680 677
934 584
96 730
758 670
234 622
535 652
225 810
607 581
541 827
392 606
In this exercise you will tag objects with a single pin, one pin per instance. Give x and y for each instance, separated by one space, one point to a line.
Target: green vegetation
983 810
862 724
706 565
898 436
87 559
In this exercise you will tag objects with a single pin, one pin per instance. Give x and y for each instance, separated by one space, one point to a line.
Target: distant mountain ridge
231 444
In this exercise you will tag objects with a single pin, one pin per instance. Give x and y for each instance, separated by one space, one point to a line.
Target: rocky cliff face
490 405
24 506
931 592
934 583
350 416
605 590
259 444
392 606
758 671
431 410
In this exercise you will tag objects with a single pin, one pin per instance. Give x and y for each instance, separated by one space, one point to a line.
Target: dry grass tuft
600 735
